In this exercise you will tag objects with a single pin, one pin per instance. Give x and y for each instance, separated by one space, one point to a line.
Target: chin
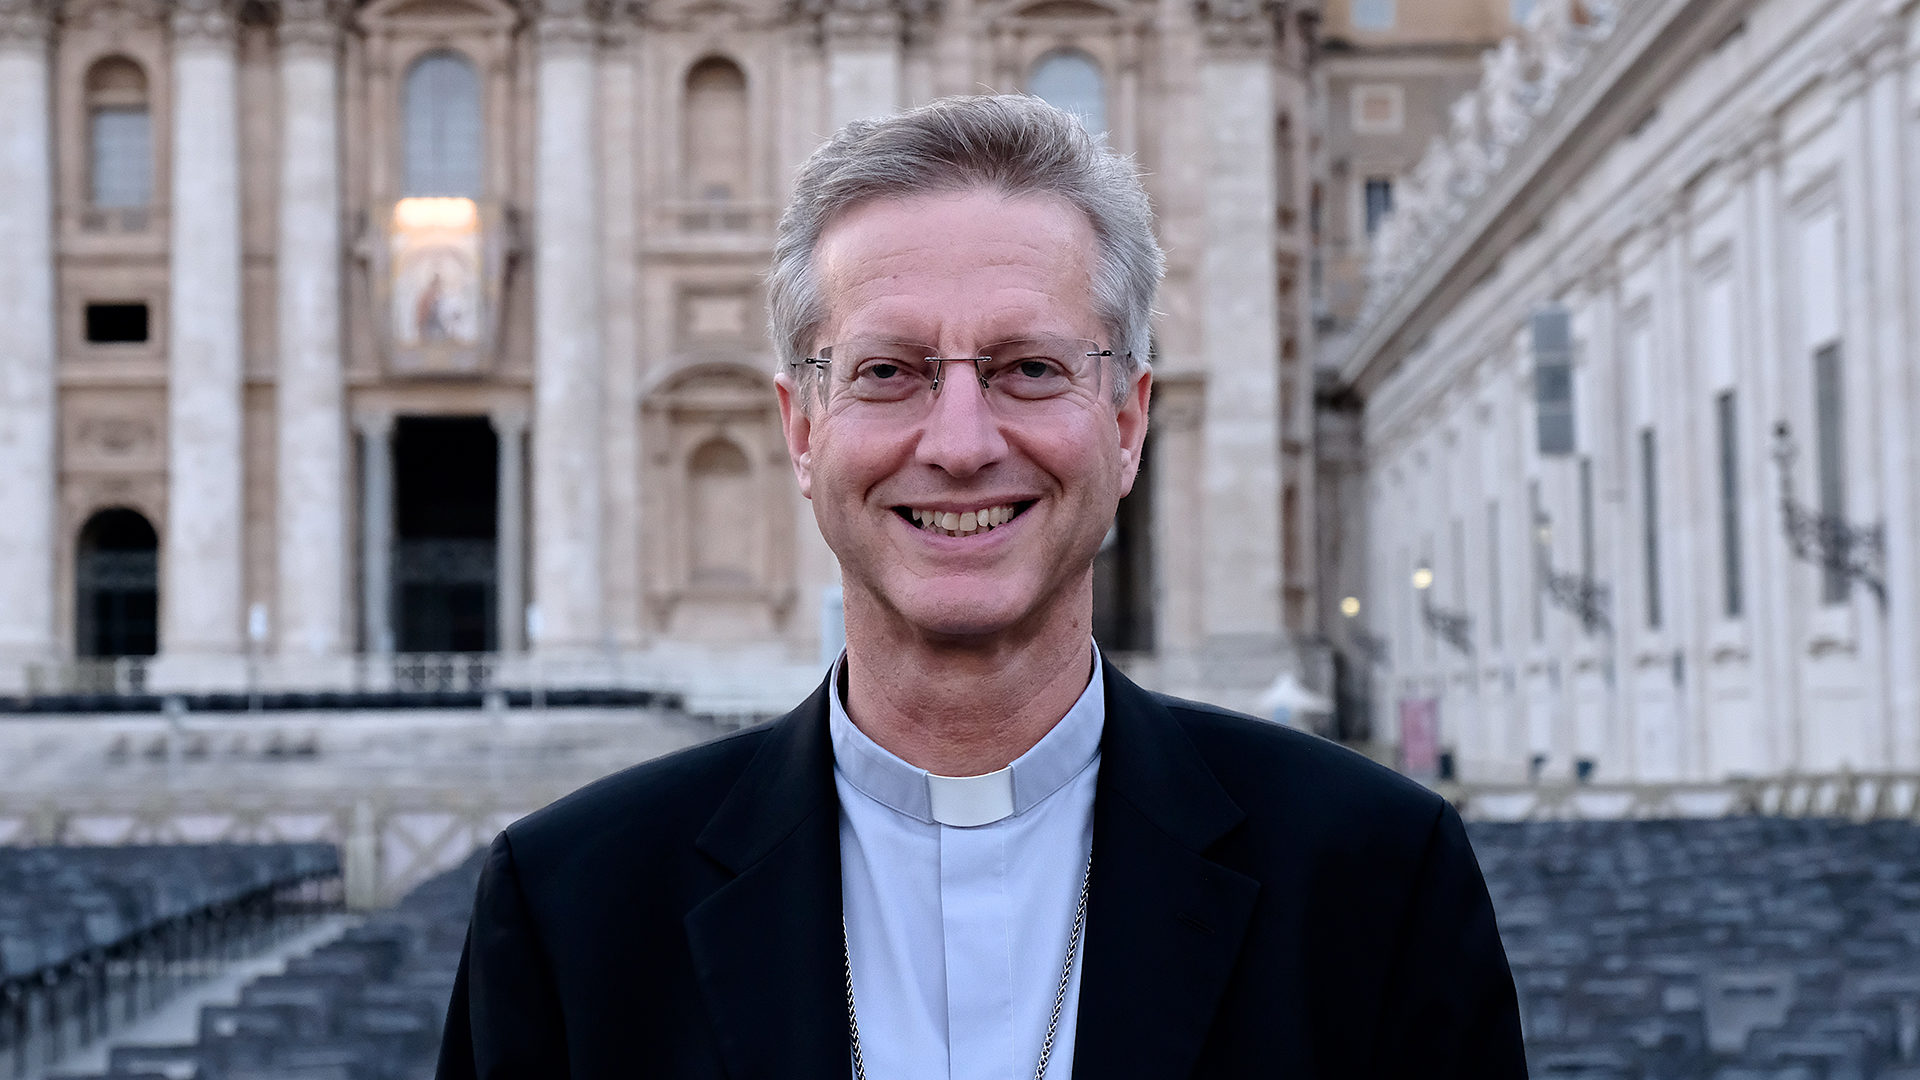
962 612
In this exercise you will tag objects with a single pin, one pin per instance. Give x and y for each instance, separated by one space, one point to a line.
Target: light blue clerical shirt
959 897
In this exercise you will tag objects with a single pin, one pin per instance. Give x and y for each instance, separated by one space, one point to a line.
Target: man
978 850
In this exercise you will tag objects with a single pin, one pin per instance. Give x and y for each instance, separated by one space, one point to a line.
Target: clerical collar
967 801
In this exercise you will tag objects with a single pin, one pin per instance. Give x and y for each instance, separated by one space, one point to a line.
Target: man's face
959 272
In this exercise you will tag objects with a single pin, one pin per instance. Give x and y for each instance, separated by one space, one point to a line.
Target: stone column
1858 737
1240 341
201 609
1778 610
567 377
310 520
510 547
28 400
1893 390
620 283
376 531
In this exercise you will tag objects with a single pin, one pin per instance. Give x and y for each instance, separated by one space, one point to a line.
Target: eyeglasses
897 381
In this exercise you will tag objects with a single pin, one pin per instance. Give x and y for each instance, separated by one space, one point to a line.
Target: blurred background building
386 449
340 333
1638 437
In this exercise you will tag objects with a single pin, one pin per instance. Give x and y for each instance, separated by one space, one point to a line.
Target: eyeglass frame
939 362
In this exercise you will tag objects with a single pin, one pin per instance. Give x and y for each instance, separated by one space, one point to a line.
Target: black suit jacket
1264 904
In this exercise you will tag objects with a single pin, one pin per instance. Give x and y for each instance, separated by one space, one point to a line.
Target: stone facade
436 325
1638 371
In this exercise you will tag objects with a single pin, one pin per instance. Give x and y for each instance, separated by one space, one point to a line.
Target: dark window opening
1650 523
1123 570
117 579
1379 201
113 324
1829 405
1733 599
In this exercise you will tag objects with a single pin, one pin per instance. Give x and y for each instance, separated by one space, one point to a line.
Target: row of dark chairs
367 1006
1741 948
1737 949
91 938
286 701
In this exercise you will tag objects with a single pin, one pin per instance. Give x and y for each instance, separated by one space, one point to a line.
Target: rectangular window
116 323
1537 523
1373 14
1586 517
1552 331
1830 432
122 139
1494 630
1378 109
1650 523
1379 200
1733 598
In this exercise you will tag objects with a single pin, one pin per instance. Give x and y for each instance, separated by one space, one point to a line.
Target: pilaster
201 587
864 42
1240 343
27 340
567 481
310 422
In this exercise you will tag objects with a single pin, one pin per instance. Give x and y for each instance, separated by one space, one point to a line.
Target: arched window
1071 80
714 141
443 134
119 135
722 521
117 579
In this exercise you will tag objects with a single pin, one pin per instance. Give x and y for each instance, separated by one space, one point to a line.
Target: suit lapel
767 944
1164 922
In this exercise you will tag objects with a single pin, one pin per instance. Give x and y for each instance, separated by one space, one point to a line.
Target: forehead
967 263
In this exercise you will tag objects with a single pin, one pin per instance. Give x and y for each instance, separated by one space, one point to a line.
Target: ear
1131 423
797 425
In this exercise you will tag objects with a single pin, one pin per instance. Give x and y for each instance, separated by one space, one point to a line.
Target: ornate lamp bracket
1855 552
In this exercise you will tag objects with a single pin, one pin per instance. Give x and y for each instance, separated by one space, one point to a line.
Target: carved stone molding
871 22
1241 25
569 23
207 22
311 24
24 23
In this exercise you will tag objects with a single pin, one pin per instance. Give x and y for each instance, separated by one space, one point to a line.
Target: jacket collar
1164 921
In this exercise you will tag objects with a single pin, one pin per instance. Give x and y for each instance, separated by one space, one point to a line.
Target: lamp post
1369 645
1853 552
1453 627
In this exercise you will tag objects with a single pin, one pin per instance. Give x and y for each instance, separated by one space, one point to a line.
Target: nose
960 434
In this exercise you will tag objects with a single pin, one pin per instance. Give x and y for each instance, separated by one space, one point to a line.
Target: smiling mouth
970 523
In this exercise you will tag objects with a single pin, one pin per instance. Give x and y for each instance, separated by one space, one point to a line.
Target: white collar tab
967 801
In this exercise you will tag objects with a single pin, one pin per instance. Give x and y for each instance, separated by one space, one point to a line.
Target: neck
967 707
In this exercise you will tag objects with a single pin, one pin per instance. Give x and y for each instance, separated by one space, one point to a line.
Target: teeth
962 524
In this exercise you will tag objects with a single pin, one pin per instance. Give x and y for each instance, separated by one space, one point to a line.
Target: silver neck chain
1059 997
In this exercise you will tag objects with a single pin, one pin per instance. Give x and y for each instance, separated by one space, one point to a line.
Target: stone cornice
1652 38
311 25
1242 27
866 22
568 23
203 22
24 24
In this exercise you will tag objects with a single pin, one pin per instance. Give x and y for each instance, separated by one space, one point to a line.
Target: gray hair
1009 143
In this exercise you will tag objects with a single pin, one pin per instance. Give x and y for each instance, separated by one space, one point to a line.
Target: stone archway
117 586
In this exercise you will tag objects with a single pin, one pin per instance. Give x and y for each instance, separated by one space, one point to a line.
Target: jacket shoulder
663 801
1281 770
